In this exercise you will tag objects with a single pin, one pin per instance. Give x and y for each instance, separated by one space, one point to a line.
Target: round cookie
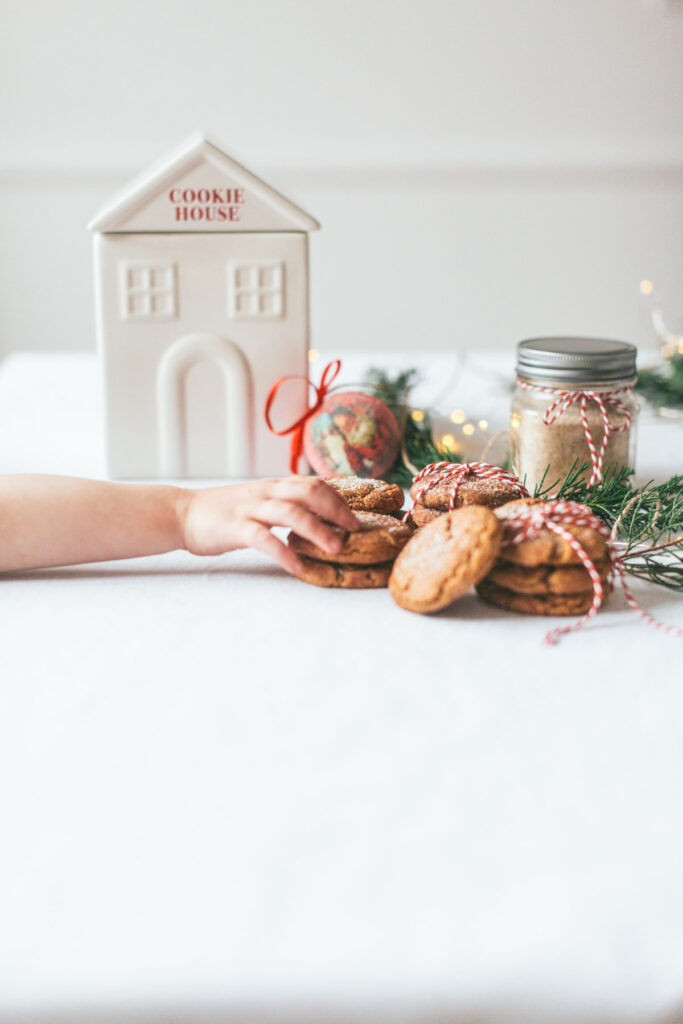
364 494
346 577
379 539
536 604
546 548
445 558
472 491
545 579
420 515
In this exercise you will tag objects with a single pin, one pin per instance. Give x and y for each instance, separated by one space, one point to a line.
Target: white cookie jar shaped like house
202 303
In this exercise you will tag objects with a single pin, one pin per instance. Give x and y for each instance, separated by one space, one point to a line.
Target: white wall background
484 170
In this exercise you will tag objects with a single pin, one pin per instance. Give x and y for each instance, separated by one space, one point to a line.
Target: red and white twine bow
524 522
602 399
453 473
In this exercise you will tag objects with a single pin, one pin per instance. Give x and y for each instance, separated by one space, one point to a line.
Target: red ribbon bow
296 429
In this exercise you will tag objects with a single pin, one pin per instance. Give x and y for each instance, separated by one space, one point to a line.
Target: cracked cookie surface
379 539
445 558
546 548
472 491
364 494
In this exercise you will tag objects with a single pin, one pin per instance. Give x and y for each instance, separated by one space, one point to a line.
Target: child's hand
218 519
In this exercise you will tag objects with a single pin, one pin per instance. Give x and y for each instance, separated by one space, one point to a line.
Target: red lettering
222 203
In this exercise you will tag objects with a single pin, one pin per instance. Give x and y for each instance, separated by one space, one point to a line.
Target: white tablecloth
226 795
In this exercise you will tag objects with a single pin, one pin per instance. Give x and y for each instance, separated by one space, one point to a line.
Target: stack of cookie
544 575
367 554
473 490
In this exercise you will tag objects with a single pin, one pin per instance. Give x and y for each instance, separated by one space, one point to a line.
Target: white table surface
222 789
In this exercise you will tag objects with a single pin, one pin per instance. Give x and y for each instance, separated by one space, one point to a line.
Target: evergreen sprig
649 518
606 499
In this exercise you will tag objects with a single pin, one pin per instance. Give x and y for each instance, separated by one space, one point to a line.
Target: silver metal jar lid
576 360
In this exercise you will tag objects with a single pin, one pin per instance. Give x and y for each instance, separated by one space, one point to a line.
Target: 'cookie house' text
207 204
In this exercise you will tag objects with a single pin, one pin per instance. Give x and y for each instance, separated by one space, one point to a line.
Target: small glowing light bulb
417 415
646 287
483 424
468 429
448 441
458 416
313 355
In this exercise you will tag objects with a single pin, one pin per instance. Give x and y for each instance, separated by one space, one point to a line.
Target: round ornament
352 434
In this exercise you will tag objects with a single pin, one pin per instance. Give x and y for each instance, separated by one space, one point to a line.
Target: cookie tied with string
472 491
544 546
443 486
570 603
559 532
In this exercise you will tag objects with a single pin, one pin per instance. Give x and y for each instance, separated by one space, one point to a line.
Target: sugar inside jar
573 404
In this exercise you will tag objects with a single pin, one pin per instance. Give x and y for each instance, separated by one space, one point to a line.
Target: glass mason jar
568 391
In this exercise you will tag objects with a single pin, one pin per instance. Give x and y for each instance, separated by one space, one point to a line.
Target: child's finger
319 497
255 535
288 513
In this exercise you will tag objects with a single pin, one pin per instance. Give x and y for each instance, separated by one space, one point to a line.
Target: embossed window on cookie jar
573 404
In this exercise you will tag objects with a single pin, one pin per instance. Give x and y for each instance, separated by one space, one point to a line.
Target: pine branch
649 518
607 499
653 567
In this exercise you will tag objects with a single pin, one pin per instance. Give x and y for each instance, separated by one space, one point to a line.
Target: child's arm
53 520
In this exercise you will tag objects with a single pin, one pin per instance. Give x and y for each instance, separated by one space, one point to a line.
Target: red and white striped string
453 473
524 522
603 399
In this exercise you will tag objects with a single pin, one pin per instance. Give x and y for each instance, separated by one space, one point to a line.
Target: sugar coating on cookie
344 577
445 558
365 494
546 547
472 490
538 604
379 538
